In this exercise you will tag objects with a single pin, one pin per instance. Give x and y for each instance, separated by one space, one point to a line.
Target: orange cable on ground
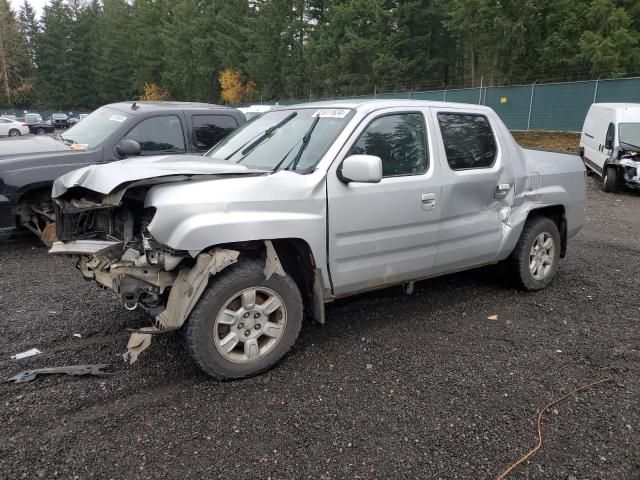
513 466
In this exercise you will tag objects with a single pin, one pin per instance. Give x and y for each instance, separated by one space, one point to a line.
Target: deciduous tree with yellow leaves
234 89
154 93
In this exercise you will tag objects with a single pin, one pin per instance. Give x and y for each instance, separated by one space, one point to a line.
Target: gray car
309 203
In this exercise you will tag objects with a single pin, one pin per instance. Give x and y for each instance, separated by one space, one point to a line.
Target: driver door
386 232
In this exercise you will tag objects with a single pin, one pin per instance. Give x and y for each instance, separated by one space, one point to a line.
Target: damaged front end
628 160
108 237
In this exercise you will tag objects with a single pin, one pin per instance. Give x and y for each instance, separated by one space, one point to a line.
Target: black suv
113 132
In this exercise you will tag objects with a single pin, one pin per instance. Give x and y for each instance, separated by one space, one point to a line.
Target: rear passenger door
208 130
477 188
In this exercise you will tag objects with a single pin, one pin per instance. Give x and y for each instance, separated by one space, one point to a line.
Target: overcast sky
36 4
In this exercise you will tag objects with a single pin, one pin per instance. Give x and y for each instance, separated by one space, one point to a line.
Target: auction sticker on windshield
331 113
117 118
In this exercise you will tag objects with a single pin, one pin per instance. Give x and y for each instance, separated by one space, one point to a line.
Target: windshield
293 139
630 134
96 127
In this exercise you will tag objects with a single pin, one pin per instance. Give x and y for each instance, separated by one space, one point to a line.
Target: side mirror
608 143
361 169
128 148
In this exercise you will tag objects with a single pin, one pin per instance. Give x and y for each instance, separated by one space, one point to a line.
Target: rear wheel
244 324
610 179
41 131
534 261
14 132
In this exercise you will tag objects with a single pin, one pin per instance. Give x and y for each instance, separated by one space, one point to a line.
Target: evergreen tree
15 82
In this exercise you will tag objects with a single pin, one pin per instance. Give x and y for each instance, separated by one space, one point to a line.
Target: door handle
428 200
502 190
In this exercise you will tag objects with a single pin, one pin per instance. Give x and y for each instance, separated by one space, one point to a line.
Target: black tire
199 334
41 131
610 179
14 132
518 261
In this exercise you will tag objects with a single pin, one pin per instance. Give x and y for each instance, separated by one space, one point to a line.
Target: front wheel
534 261
14 132
243 323
610 179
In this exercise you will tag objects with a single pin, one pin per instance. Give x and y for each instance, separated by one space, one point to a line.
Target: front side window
158 134
399 140
210 129
468 140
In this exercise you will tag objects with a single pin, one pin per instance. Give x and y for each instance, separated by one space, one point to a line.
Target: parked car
59 120
610 144
113 132
82 116
41 128
9 116
32 118
72 121
310 203
12 128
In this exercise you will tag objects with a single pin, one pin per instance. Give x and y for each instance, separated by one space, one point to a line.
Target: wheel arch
298 260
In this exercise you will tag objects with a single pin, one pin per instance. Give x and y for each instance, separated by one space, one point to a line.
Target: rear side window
210 129
400 140
468 140
159 134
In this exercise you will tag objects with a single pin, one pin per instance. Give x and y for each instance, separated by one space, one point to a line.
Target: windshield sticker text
331 113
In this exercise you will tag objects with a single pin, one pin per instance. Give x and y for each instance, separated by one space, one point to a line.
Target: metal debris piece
190 284
273 262
138 343
73 370
28 353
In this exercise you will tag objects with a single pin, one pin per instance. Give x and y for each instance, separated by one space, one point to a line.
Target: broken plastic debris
493 317
77 335
28 353
138 343
73 370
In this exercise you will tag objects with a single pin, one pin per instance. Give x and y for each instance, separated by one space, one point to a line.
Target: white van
610 144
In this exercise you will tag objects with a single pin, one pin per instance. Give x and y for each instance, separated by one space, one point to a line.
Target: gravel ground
393 386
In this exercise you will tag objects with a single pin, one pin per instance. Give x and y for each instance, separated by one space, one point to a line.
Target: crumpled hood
107 177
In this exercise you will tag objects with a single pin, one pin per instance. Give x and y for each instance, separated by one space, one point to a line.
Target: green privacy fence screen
546 106
539 106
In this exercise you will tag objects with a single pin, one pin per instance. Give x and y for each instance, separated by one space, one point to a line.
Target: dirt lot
563 141
393 386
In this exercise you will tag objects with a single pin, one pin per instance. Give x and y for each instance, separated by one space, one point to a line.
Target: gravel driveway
393 386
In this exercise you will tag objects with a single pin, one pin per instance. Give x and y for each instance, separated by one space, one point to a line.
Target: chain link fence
539 106
560 106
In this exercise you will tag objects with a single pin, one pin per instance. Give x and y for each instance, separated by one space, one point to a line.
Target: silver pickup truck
308 203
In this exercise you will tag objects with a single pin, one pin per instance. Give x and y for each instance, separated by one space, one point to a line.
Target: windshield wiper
267 133
305 141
